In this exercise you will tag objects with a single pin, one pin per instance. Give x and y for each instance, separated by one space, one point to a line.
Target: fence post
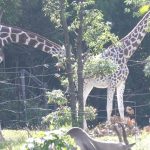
1 136
24 93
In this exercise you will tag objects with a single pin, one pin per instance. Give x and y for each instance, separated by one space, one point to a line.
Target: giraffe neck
130 42
17 35
128 45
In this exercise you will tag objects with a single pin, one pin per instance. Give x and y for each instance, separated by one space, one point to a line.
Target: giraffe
16 35
119 54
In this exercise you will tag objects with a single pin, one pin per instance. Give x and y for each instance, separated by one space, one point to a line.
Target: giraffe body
17 35
112 82
120 55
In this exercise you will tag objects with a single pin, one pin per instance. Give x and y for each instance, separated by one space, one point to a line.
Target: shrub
62 117
52 140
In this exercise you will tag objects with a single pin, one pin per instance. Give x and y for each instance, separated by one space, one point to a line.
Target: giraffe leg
110 96
120 92
86 90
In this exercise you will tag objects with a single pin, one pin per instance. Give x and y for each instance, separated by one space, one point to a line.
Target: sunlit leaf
144 9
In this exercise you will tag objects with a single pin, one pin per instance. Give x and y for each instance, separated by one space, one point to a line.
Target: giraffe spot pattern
16 35
46 49
40 46
5 29
32 42
13 37
135 44
23 37
3 35
15 31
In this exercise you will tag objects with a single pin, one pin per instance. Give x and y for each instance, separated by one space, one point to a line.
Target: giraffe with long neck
120 55
17 35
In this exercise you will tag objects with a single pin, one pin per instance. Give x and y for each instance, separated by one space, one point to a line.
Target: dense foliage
96 67
56 139
61 117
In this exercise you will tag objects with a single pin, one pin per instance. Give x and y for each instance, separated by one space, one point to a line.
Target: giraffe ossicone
16 35
119 54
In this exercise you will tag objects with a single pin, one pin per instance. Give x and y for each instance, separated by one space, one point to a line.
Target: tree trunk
82 121
69 70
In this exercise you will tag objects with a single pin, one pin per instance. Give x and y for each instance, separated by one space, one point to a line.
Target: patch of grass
14 139
142 141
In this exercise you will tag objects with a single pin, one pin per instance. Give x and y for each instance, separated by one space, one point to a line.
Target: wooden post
1 136
24 92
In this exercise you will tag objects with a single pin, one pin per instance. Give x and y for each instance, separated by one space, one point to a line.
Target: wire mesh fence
26 109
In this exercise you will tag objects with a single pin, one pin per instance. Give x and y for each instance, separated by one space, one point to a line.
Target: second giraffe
119 55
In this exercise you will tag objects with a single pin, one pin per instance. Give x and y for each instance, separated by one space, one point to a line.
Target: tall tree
84 26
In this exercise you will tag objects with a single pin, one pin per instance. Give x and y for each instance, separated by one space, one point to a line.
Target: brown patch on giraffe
140 37
55 48
48 44
3 35
120 55
15 31
31 35
46 49
113 50
135 44
5 29
126 51
132 39
13 36
127 42
145 22
9 39
23 37
140 28
5 42
40 46
136 31
119 61
32 42
40 40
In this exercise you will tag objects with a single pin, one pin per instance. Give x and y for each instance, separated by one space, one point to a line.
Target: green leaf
144 9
